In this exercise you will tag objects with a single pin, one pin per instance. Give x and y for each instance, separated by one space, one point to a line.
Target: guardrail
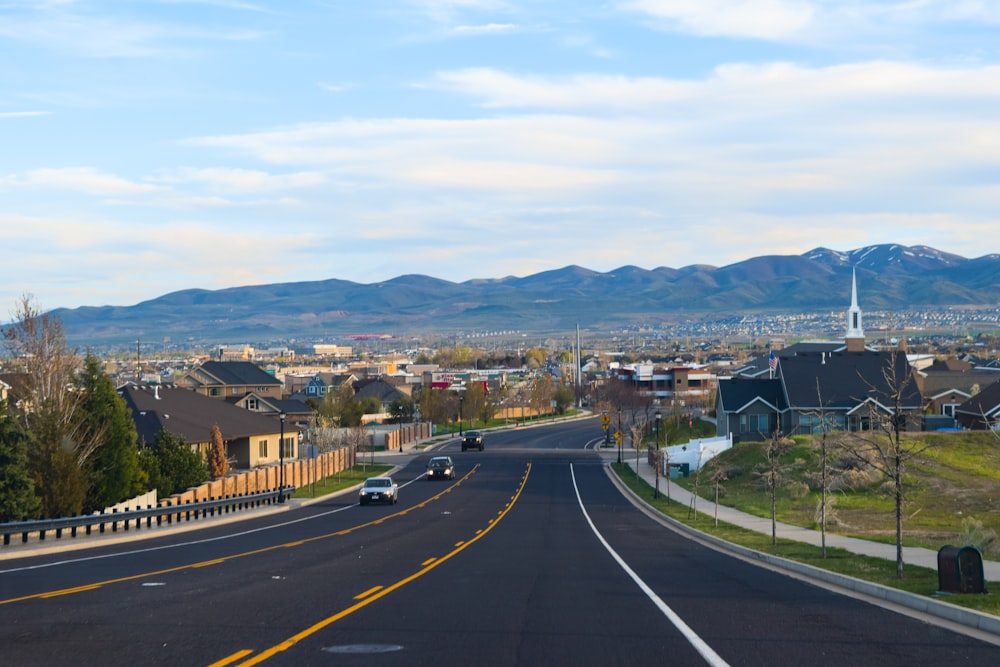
168 514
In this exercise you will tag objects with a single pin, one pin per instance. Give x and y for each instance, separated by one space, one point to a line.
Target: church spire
855 336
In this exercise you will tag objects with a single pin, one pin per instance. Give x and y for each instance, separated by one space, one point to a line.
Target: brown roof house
250 438
229 379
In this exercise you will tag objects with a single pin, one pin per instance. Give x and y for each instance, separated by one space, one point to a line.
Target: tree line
68 444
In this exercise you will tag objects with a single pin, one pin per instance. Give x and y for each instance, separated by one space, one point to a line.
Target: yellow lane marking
370 591
330 620
228 660
428 561
68 591
217 561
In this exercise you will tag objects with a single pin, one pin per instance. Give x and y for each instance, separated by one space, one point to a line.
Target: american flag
772 361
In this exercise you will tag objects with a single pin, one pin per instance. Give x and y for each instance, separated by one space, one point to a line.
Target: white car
379 490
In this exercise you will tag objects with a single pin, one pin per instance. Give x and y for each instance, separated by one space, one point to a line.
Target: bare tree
773 473
718 477
48 408
636 431
360 441
825 477
884 448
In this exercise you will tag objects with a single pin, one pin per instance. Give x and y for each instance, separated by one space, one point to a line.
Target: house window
262 449
262 390
286 445
235 390
252 405
311 390
754 423
214 391
949 409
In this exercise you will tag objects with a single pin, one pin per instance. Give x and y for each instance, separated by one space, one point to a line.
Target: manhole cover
364 648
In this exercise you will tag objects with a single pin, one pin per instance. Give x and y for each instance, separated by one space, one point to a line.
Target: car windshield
439 463
378 482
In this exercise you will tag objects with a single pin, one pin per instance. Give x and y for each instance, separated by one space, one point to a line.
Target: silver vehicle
379 490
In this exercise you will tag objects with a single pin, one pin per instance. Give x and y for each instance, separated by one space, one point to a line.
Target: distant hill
889 276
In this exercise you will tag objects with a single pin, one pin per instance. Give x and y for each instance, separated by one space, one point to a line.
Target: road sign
605 419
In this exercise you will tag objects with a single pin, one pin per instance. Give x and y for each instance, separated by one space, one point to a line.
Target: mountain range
889 277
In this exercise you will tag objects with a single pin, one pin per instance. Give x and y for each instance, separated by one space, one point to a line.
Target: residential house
326 382
946 384
228 379
251 439
378 388
982 411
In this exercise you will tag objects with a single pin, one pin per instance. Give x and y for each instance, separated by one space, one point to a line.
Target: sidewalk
911 555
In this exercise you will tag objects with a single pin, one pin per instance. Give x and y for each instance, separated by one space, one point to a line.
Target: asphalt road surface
532 556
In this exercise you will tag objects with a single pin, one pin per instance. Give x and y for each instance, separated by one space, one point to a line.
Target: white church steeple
855 336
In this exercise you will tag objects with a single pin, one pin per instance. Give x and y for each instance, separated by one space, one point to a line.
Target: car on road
379 490
441 467
473 440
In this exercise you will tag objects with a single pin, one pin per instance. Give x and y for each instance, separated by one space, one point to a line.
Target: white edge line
710 656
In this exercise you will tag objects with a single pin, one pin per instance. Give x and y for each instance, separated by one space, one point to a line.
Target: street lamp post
656 455
461 400
281 459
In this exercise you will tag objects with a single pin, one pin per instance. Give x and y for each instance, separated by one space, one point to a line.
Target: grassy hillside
952 489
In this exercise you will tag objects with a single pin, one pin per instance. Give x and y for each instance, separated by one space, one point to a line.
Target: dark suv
472 440
441 467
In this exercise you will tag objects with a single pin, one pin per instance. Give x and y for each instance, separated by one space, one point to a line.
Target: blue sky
153 146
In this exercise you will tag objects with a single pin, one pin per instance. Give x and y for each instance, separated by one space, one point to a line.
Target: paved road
533 556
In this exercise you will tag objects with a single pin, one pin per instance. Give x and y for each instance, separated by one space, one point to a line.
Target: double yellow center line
373 594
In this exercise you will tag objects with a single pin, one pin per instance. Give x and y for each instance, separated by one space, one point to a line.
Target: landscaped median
918 581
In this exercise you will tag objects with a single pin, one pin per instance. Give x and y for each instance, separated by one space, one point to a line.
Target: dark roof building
982 411
225 379
825 384
251 438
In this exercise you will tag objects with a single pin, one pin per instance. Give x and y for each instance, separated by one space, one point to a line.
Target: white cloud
79 179
487 29
762 19
828 23
242 180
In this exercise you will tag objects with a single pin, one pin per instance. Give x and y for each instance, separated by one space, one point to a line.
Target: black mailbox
960 570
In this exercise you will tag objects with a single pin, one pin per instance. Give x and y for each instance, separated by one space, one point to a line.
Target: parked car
379 490
473 440
441 467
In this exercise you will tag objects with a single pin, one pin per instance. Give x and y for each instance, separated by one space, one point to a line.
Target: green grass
917 580
339 482
955 479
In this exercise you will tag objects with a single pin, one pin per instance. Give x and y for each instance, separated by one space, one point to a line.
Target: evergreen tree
113 467
17 490
172 465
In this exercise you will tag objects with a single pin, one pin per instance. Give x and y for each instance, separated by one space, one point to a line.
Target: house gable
250 437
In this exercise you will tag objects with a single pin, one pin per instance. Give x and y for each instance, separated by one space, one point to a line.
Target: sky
151 146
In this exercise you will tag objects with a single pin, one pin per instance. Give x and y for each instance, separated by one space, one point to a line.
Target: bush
973 534
797 489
